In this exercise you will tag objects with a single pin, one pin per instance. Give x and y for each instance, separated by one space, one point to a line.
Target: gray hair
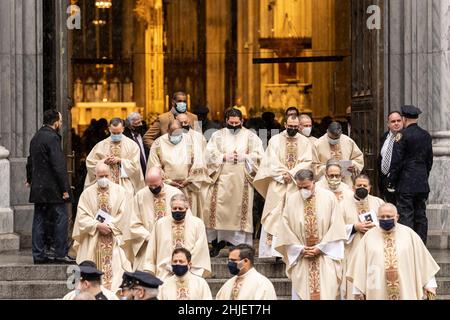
180 197
305 116
303 175
333 163
151 292
133 116
335 128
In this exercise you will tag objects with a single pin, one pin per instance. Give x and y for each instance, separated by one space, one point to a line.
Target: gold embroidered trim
312 238
183 289
391 267
115 150
336 152
105 243
159 205
245 200
236 288
291 153
178 234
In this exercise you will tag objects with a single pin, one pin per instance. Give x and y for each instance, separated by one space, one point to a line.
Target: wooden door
367 86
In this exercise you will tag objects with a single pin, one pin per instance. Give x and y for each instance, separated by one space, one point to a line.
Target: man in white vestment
121 154
178 230
246 283
391 262
184 285
149 205
287 153
233 154
311 240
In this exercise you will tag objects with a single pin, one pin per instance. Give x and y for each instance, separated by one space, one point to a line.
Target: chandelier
103 4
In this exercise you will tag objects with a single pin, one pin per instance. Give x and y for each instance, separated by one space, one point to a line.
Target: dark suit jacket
412 159
127 132
46 168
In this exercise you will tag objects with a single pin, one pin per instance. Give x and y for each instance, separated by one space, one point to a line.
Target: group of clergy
195 192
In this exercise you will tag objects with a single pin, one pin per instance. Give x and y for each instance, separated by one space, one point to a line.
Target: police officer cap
145 279
411 112
90 273
127 280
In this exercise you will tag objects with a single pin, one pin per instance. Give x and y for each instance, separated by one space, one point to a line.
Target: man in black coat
135 131
412 159
47 175
395 124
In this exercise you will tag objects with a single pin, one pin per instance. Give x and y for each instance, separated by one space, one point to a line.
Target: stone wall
417 71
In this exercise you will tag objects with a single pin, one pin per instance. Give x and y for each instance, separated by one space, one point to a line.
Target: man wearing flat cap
412 159
145 286
125 292
90 281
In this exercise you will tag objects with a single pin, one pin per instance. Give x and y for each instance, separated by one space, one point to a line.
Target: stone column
21 98
417 57
8 240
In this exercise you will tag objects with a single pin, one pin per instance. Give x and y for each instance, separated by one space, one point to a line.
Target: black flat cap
127 280
90 273
410 112
145 279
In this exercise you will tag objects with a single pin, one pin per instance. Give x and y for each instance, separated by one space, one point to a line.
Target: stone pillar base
438 226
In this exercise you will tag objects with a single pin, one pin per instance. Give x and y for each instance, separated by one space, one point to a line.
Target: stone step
9 242
41 289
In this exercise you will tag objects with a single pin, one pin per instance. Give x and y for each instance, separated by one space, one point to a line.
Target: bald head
174 127
154 177
387 211
101 170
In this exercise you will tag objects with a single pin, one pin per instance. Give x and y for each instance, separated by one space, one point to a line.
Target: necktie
388 156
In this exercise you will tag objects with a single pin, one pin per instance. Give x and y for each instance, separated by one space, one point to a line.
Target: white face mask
103 182
306 193
333 142
306 131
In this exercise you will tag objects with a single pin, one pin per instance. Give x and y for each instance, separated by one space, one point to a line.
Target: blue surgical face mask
181 107
175 139
387 224
233 267
116 137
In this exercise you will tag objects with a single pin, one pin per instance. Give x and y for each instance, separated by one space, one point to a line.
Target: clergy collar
249 271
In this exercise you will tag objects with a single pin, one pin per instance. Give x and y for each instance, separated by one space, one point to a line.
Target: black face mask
137 129
234 129
178 215
187 128
179 270
362 193
291 132
387 224
233 267
156 190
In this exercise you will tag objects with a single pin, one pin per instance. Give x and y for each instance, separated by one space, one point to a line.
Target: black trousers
59 213
412 211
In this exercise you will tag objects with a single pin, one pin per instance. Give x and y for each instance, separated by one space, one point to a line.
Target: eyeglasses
333 176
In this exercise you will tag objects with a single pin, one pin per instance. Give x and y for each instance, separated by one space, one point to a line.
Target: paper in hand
104 217
345 164
370 216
